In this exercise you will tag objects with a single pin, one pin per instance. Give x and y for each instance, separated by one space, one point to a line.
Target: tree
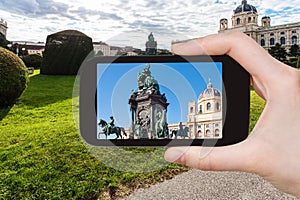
278 52
3 41
34 60
164 52
64 52
295 51
13 76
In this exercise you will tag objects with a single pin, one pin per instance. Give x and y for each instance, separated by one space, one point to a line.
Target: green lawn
43 157
256 107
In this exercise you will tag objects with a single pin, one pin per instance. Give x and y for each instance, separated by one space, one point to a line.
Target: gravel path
196 184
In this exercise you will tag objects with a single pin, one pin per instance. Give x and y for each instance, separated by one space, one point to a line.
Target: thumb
229 158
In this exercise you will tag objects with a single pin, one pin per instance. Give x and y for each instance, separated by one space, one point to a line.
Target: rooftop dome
266 17
245 7
210 92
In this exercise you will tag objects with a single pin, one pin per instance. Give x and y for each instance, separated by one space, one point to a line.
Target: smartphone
135 101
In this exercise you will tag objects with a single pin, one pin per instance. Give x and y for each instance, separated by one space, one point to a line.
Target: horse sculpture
114 130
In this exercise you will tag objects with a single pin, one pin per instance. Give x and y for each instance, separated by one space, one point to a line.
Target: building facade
204 120
30 47
102 48
3 27
245 19
35 48
205 115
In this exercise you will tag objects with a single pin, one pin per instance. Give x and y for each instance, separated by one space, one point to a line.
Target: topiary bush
13 77
34 60
64 52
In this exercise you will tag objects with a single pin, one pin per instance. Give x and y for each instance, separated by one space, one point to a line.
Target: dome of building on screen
210 92
245 7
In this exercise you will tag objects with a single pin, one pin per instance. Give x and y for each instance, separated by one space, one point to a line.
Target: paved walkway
196 184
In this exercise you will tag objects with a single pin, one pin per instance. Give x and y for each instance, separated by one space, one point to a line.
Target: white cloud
101 20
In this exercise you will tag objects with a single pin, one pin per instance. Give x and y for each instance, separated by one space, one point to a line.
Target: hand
273 148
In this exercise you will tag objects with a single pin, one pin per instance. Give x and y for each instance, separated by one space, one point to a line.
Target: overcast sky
128 22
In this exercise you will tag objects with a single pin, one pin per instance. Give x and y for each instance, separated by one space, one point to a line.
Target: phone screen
147 101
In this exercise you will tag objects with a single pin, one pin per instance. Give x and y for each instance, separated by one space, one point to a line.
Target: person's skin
273 148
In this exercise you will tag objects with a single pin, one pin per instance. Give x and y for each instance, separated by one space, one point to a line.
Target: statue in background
151 37
151 45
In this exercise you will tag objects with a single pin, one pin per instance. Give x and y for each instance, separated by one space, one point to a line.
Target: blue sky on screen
181 83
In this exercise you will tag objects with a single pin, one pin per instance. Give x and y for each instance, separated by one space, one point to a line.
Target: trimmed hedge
34 60
3 41
13 77
64 52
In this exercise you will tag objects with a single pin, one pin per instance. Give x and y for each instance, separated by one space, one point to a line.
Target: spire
209 85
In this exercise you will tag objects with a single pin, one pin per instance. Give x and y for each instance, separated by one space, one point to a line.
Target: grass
256 107
43 157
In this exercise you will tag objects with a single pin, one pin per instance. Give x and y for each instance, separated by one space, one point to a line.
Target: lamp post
23 51
11 47
17 50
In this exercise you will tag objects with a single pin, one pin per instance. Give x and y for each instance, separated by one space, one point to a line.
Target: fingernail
172 155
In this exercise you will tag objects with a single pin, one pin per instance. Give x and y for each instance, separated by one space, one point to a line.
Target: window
263 43
262 35
282 33
216 125
282 41
272 34
200 110
199 134
217 133
207 125
208 133
238 21
249 19
272 41
218 106
192 110
208 106
294 40
294 31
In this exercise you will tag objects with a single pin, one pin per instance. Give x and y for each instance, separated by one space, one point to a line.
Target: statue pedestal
149 115
151 47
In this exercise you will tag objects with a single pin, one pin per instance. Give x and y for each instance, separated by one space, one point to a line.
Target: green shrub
64 52
13 77
34 60
3 41
293 62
